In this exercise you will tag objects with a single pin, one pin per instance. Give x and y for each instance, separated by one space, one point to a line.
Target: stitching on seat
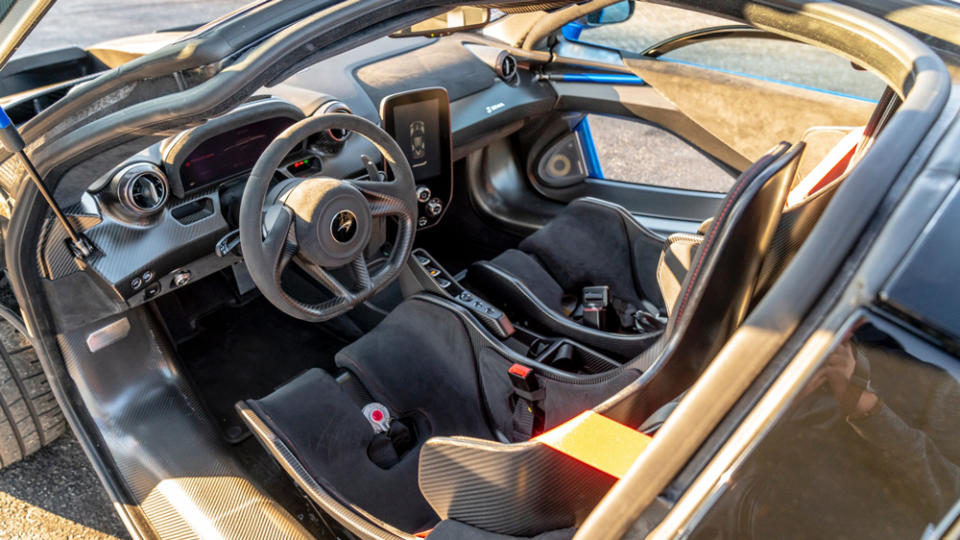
750 174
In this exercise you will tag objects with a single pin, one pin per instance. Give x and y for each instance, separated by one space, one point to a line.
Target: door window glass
782 61
869 449
641 153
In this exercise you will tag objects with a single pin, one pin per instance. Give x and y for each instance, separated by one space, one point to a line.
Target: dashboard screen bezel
183 145
388 106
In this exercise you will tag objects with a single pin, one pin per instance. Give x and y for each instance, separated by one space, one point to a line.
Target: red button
377 416
520 369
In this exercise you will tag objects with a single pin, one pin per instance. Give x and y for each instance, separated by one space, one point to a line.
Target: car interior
381 292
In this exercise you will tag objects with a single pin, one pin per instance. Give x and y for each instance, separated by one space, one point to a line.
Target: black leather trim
516 293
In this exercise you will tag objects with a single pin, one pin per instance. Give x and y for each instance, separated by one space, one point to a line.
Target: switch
434 207
181 278
423 194
151 291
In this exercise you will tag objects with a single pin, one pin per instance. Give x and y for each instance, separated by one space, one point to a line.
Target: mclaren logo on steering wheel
344 226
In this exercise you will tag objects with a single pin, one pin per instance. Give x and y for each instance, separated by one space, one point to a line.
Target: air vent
142 189
507 67
337 135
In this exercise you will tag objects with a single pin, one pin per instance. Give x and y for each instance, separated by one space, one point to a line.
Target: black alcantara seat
595 242
445 378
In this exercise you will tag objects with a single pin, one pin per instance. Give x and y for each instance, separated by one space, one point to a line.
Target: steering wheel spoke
361 273
325 278
279 244
385 198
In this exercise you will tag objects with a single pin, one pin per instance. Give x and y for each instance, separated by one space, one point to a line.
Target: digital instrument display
418 134
420 123
229 154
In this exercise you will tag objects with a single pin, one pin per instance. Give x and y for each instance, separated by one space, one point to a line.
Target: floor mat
246 352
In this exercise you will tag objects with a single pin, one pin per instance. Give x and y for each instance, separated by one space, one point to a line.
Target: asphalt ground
55 494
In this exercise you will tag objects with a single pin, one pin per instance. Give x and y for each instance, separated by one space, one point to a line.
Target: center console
424 274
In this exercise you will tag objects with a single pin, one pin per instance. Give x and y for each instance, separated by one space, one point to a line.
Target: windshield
82 23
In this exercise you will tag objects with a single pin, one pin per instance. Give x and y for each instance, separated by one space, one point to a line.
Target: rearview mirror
456 20
612 14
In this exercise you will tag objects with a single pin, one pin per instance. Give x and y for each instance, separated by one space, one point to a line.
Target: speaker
562 164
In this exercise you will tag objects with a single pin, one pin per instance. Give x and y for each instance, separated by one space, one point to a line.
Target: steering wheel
324 223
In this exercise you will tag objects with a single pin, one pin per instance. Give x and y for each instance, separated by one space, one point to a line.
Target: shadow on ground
41 495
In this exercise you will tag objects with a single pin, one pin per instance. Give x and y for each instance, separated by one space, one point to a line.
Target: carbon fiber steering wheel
324 223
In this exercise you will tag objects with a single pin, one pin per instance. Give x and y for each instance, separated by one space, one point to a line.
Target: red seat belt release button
522 378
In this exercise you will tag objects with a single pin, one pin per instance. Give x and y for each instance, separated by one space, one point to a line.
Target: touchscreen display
230 153
416 129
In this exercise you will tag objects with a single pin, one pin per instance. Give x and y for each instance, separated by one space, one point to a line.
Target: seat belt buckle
527 415
596 301
522 378
647 322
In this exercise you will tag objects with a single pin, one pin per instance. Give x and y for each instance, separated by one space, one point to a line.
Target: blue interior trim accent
4 119
602 78
572 30
589 149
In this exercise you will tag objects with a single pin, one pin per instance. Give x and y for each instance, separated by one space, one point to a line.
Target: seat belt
527 412
598 441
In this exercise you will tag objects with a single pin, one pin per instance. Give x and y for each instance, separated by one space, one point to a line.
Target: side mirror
455 20
612 14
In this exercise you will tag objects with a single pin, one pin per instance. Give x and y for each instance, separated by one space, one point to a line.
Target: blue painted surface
589 149
572 30
4 119
602 78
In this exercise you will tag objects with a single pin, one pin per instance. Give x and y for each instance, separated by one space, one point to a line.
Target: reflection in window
869 449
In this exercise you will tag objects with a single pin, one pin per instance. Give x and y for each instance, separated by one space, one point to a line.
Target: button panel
491 317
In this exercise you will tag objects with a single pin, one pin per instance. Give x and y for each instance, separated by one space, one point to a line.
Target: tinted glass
870 449
641 153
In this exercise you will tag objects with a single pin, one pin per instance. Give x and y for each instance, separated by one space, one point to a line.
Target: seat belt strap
527 415
598 441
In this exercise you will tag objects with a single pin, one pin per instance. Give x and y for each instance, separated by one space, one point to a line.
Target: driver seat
439 372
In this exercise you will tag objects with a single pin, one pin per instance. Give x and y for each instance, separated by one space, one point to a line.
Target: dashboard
167 216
